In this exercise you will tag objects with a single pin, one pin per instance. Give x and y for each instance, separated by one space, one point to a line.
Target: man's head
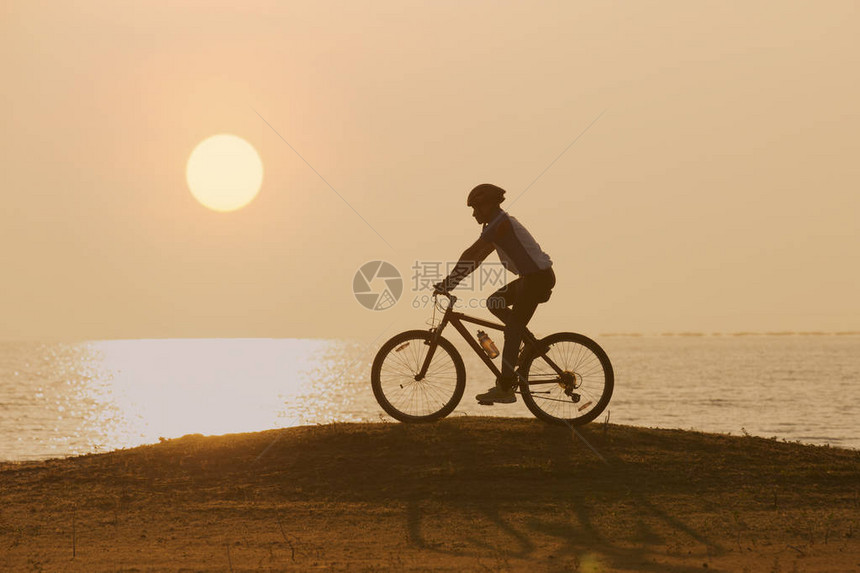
484 201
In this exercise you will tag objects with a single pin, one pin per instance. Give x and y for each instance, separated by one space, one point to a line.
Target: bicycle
419 376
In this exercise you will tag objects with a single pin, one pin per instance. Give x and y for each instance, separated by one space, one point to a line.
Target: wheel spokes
418 398
572 396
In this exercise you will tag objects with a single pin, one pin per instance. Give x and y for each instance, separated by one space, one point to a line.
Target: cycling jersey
517 249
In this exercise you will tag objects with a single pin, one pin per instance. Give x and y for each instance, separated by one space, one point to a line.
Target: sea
60 399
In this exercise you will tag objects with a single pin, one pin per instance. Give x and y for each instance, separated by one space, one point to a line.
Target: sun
224 172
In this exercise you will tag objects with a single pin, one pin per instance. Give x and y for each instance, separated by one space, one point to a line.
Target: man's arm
469 261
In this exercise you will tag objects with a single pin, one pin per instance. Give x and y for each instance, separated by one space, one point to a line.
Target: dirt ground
464 494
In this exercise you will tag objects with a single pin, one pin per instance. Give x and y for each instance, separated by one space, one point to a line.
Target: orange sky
716 192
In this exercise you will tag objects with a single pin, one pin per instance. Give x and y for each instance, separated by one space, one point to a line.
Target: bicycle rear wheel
581 393
404 398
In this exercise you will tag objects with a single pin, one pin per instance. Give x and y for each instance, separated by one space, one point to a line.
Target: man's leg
512 295
519 317
523 296
498 304
532 290
499 301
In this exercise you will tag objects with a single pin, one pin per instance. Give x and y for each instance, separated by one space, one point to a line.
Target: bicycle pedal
485 403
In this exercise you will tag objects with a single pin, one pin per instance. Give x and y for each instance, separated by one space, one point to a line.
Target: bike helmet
485 193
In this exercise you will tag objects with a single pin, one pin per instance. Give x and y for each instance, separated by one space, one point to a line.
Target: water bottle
487 344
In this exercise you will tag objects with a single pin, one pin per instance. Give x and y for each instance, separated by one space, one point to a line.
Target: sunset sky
713 186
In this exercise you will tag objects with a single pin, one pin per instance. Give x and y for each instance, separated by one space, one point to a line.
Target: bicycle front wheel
393 377
580 393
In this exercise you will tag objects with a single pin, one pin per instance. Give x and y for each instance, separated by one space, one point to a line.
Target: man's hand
441 287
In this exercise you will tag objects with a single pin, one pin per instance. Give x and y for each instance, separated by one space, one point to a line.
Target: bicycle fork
433 343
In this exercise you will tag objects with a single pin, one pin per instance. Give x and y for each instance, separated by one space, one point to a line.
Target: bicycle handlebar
450 296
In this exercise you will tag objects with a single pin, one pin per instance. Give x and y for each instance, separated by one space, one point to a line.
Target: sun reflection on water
163 389
98 396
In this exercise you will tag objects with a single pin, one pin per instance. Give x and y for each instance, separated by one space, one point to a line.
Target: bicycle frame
456 319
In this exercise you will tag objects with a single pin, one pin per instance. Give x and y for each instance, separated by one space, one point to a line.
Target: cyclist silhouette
519 253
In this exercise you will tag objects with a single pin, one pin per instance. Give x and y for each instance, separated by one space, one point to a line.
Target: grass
462 494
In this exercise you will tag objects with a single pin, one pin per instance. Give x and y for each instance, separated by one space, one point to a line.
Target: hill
462 494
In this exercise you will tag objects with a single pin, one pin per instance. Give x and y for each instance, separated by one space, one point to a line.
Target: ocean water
61 399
